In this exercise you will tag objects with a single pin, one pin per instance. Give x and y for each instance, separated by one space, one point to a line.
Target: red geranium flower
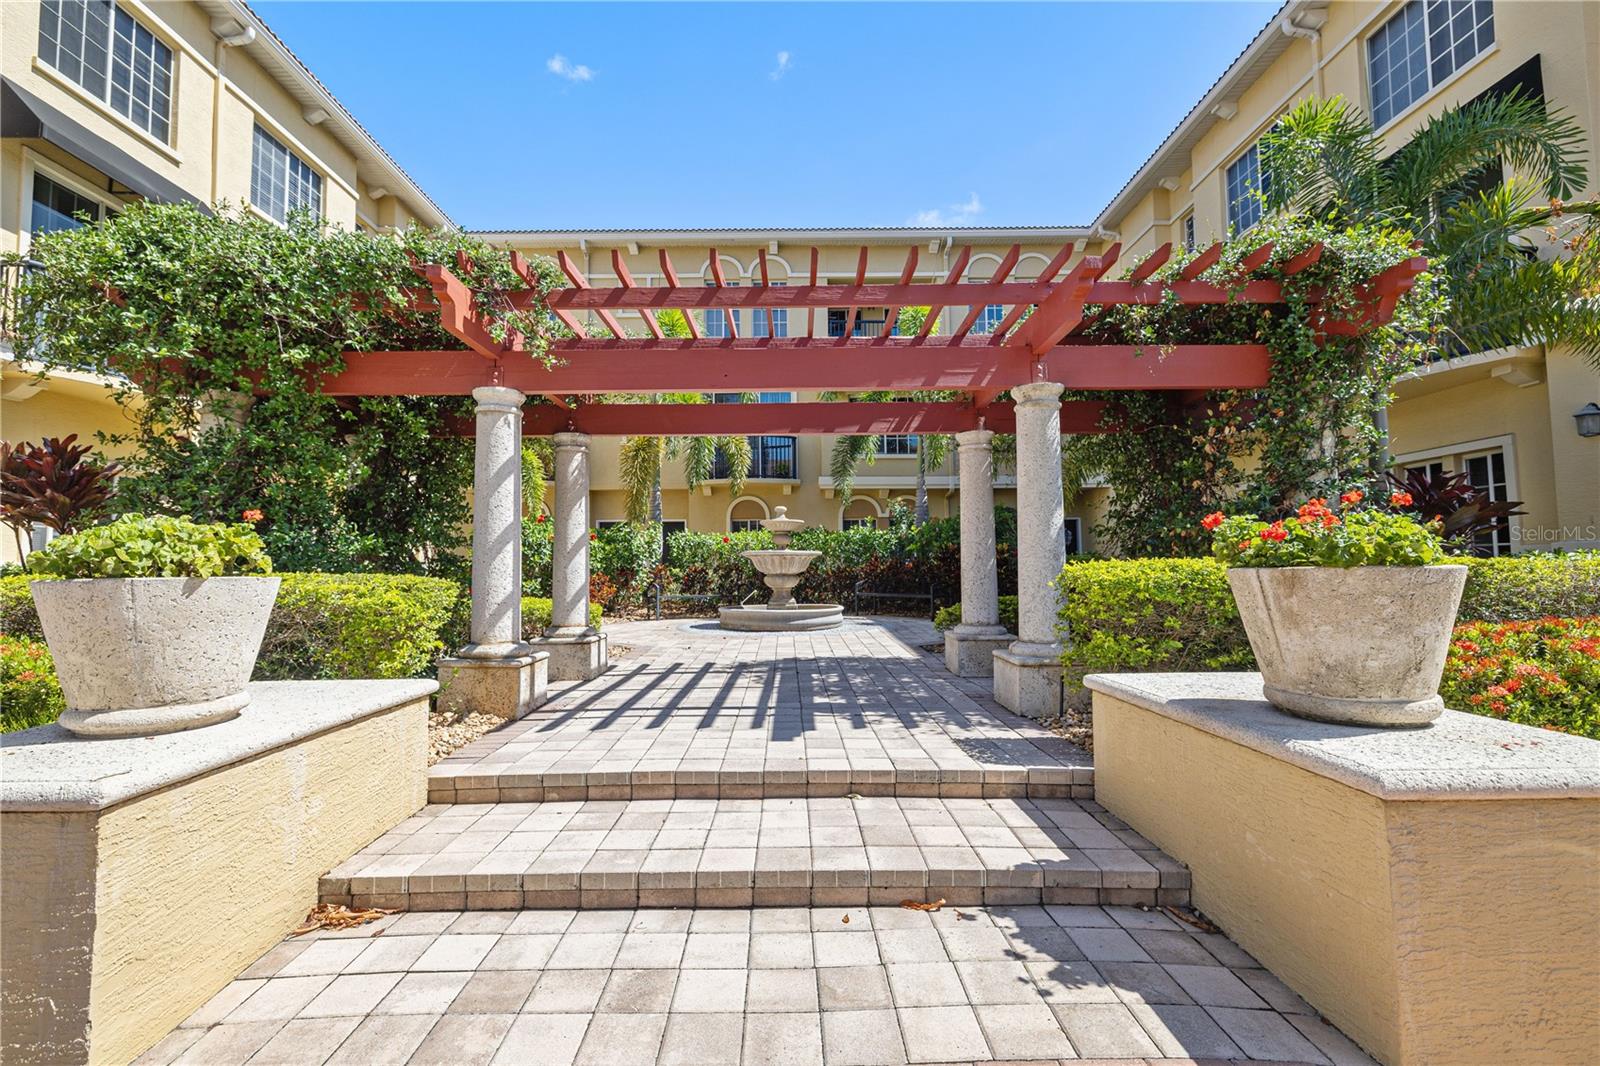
1400 499
252 515
726 539
539 518
1213 520
593 535
1275 532
1353 497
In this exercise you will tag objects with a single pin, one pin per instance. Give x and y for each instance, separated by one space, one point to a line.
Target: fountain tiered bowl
781 568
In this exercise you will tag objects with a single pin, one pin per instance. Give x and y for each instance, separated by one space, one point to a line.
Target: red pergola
1050 345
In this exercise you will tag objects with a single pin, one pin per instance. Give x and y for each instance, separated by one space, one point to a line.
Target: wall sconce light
1588 419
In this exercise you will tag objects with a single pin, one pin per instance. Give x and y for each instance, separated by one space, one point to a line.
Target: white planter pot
1362 646
153 654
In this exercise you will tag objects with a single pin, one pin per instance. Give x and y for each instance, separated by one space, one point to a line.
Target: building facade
245 122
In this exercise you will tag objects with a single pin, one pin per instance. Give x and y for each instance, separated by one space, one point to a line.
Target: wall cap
1459 757
49 769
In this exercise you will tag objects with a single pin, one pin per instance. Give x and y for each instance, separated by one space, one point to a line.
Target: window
897 444
989 318
280 181
1074 536
861 513
746 515
1421 46
780 319
113 56
1245 188
1188 232
55 207
1487 472
717 318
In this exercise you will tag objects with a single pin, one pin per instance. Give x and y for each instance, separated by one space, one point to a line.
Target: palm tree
1522 265
643 457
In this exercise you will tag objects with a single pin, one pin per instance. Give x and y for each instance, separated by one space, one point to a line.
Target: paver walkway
673 864
694 711
763 987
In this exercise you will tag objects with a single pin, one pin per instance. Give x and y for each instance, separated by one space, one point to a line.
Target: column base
969 650
505 688
1027 682
576 656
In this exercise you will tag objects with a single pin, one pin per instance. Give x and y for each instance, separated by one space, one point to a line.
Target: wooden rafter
1046 276
891 316
620 269
579 282
672 282
727 312
850 309
936 307
1002 270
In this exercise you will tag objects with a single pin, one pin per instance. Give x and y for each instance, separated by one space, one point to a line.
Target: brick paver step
845 850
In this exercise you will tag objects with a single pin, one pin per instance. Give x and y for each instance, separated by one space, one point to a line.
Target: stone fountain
781 567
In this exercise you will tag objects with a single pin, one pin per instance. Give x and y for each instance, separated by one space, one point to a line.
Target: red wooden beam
716 276
936 305
1001 271
1255 260
1201 263
525 272
672 282
580 283
789 419
620 269
1061 311
1312 254
457 314
892 314
676 365
811 313
1153 262
1046 276
850 310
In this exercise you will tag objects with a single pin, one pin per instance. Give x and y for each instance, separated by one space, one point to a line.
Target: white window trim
34 163
1421 101
166 148
295 145
727 518
292 147
1456 455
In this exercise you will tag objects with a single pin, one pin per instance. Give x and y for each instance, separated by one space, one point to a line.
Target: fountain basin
795 618
781 561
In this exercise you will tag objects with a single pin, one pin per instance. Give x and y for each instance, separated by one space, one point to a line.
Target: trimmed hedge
950 617
361 625
1521 588
536 611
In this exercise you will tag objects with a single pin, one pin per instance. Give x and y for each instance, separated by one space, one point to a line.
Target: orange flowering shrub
1319 535
1544 673
29 692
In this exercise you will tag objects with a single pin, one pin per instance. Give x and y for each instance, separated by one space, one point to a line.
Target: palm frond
736 452
538 459
699 458
1323 160
640 467
847 454
1545 146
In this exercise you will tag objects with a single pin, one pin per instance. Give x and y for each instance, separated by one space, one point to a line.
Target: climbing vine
1313 430
216 326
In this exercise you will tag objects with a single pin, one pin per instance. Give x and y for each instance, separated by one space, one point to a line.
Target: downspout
1313 33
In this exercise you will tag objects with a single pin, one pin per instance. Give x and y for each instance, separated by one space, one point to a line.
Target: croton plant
1351 533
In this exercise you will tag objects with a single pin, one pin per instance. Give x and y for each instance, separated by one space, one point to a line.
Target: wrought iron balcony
771 458
13 276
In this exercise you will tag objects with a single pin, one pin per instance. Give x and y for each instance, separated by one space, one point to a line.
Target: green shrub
627 555
1524 587
1128 615
950 617
137 545
1542 673
17 616
29 692
361 625
536 615
1319 537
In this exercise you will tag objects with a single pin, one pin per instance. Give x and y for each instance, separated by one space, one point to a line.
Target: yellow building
104 102
1505 417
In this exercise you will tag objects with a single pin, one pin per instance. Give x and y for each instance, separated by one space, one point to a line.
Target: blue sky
762 114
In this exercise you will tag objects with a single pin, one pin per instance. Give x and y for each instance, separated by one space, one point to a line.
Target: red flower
1329 520
1213 520
1353 497
252 516
1314 508
593 535
1275 532
1400 499
539 518
1244 545
727 539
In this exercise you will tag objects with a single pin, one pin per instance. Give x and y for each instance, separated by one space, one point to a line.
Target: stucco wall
1443 931
190 884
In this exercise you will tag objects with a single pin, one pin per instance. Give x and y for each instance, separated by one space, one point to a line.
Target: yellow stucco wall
119 925
1374 910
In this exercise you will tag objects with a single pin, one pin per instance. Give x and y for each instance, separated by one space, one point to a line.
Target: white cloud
561 67
950 215
782 67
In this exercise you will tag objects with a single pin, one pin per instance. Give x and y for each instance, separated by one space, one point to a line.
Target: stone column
496 672
1027 675
969 647
577 650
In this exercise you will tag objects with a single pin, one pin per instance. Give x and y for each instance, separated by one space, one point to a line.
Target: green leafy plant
30 695
1543 673
137 545
536 614
947 618
361 625
52 484
1528 586
1318 536
1147 614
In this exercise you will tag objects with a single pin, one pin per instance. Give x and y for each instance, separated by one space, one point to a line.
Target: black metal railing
13 276
770 457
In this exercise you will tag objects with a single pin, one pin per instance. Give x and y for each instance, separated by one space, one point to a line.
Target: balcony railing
13 276
772 458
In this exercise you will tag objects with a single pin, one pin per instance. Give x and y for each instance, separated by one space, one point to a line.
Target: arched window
746 514
861 513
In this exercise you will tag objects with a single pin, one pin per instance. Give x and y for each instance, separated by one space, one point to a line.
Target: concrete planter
148 655
1361 646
